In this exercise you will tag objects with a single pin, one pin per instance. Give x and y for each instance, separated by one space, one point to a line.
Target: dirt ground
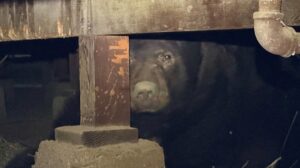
20 139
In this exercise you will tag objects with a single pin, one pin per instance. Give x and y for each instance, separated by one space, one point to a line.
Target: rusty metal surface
104 80
39 19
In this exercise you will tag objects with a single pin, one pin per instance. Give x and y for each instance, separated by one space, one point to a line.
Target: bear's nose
144 94
145 90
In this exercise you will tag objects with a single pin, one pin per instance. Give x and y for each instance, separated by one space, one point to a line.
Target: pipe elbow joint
274 36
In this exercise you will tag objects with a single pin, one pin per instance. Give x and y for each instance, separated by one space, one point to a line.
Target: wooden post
104 93
104 80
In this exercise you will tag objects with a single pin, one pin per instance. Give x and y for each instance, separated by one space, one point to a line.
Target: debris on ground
13 154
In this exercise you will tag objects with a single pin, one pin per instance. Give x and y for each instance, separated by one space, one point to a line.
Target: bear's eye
165 57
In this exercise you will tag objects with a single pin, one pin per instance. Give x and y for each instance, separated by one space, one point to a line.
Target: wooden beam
40 19
104 80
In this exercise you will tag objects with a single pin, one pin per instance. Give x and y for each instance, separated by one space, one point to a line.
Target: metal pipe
272 34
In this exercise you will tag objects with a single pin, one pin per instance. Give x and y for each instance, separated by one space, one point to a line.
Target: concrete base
96 136
143 154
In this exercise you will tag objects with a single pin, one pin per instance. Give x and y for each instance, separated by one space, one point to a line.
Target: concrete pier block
96 136
142 154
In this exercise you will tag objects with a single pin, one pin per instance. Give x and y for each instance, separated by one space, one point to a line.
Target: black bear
162 76
215 102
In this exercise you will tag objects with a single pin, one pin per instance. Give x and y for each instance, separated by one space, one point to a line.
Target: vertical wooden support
104 93
104 80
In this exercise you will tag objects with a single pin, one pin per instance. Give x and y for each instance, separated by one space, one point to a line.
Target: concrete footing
96 136
98 147
142 154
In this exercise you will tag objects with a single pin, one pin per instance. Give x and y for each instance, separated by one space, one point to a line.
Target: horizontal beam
40 19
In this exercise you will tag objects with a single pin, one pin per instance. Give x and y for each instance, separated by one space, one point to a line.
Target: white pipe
272 34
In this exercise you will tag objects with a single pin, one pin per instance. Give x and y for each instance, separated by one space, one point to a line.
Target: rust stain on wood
60 28
1 33
121 71
121 47
120 51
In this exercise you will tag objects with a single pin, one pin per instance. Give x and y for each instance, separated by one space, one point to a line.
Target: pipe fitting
272 34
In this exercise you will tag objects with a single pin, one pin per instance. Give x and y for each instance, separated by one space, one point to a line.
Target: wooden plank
39 19
96 136
104 80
